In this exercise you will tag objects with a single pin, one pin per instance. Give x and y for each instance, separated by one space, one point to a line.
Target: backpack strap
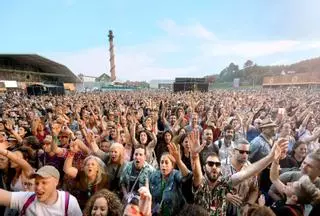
27 204
66 203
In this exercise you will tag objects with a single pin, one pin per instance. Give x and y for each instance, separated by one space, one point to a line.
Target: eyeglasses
213 163
243 151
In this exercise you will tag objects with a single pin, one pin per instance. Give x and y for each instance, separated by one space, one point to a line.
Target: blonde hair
120 148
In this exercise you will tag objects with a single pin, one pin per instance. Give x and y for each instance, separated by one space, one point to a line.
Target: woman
299 152
87 181
185 150
147 139
103 203
21 169
166 183
162 144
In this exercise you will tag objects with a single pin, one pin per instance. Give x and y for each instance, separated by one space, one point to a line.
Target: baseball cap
46 172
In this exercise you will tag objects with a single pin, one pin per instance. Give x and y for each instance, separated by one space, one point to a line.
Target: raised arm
25 166
258 166
175 152
68 168
195 158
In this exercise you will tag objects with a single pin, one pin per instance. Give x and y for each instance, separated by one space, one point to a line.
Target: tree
248 63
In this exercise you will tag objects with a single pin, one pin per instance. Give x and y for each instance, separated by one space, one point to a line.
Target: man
46 200
262 144
135 173
247 191
253 130
210 189
310 166
261 147
225 144
209 146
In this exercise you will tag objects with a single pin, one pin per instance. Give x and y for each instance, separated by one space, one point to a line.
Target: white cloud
194 30
203 54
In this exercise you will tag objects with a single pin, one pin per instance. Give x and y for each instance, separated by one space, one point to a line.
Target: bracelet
70 154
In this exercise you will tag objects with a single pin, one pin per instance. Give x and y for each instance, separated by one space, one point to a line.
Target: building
30 69
297 79
161 84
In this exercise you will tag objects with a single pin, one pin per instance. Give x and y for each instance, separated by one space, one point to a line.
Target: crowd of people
223 152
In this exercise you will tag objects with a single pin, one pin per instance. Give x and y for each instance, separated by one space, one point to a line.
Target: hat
48 139
46 172
267 123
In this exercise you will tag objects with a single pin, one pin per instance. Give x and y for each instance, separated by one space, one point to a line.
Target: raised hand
194 140
56 128
278 148
145 201
174 151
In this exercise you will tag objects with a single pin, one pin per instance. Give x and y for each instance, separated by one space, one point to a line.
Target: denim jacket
171 197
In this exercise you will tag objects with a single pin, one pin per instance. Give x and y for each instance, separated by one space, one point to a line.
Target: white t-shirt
18 199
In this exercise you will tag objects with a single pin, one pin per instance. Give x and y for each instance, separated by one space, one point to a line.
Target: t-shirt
18 199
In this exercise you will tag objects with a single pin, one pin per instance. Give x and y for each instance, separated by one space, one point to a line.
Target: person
246 193
166 183
297 193
135 173
211 188
103 203
46 200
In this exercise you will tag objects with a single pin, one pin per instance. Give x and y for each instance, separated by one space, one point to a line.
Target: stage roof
33 63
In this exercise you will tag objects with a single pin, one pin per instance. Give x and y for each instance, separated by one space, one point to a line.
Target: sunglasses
213 163
243 151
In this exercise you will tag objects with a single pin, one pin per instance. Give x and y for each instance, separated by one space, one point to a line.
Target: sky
161 39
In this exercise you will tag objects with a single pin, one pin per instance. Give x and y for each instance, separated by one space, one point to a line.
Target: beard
212 177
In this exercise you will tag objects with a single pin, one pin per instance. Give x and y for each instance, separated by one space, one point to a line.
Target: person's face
113 133
115 154
91 168
40 127
229 134
2 127
111 117
21 131
4 162
311 125
166 165
310 167
148 122
139 157
301 151
241 153
286 129
186 144
167 137
29 185
172 119
143 138
100 207
64 139
123 138
105 146
182 131
3 136
45 187
208 135
289 189
78 135
212 168
269 131
46 147
180 112
195 118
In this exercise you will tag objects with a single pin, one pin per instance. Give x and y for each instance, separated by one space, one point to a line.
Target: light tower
111 52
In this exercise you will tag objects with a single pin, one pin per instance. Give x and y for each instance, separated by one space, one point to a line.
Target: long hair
121 150
114 203
101 169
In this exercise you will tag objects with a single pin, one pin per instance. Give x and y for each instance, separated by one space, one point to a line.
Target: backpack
33 196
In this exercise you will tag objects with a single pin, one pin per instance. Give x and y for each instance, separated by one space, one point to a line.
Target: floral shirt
213 199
